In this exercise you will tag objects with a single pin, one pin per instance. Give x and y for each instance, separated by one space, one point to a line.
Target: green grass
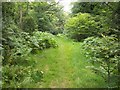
65 67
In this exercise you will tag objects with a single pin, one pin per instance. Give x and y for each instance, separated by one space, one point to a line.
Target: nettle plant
103 53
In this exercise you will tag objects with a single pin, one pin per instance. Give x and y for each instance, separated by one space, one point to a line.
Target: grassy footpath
65 67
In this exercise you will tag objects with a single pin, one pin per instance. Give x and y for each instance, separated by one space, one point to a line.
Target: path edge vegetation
28 27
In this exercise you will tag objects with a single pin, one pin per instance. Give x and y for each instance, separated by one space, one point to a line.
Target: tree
49 17
94 8
82 26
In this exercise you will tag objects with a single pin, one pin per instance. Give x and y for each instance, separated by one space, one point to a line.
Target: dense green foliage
42 40
49 17
105 57
30 29
84 25
15 57
102 48
94 8
21 35
18 76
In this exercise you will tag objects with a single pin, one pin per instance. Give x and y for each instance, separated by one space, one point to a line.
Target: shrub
18 76
42 40
82 26
105 57
18 47
18 71
21 44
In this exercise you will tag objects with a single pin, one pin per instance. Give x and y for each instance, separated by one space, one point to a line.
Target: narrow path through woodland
65 67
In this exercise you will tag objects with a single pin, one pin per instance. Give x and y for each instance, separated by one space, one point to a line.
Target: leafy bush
18 47
17 76
104 53
21 44
18 71
82 26
42 40
16 67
